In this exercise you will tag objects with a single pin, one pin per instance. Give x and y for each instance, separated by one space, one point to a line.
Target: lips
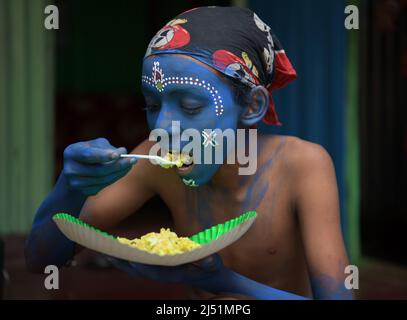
184 170
183 161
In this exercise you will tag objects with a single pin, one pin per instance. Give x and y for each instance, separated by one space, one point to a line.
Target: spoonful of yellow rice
164 243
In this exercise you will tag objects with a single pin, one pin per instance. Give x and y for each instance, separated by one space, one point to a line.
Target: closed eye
192 110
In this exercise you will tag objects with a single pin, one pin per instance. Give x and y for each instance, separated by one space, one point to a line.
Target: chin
200 175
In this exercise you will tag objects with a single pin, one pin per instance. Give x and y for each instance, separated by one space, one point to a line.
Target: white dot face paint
159 81
190 182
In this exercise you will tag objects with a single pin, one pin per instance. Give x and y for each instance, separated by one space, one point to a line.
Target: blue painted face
178 88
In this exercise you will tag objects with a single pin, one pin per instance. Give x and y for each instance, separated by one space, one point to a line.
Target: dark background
383 131
98 56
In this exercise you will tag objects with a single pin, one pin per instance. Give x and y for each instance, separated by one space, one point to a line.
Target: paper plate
211 240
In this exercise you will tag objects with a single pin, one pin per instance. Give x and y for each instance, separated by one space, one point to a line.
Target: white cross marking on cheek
190 182
209 139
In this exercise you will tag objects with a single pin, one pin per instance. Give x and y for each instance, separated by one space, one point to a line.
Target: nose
166 120
163 120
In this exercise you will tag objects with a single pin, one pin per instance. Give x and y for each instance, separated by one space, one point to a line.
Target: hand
92 165
196 274
208 274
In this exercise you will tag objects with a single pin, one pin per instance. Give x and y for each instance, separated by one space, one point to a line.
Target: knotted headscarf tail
232 40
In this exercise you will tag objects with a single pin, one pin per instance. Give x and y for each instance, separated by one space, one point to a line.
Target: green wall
352 160
26 112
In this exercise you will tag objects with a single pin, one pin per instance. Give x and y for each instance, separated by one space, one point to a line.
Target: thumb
210 264
122 265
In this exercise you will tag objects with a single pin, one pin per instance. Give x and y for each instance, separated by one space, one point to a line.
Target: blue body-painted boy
294 250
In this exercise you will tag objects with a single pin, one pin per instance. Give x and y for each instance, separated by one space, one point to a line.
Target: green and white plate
211 240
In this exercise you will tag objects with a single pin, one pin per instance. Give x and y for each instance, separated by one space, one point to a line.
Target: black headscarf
232 40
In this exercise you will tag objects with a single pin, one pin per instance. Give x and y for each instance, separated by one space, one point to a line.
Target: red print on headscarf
229 63
170 37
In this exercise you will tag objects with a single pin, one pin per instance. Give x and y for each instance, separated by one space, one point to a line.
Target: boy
212 68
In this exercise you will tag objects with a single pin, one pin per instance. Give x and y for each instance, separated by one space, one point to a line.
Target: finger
103 143
141 270
122 265
210 264
92 155
98 170
85 182
94 189
86 154
119 151
161 273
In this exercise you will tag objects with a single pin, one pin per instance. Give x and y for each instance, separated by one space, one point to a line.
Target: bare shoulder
301 162
295 152
310 170
303 156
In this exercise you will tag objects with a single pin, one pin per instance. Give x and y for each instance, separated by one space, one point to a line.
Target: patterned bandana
232 40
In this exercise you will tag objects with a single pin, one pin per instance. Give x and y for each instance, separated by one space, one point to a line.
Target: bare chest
271 244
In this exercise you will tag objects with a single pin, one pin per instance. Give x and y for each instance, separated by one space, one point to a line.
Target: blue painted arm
326 287
232 282
45 244
88 168
209 275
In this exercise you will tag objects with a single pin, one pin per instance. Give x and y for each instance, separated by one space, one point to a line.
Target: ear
257 108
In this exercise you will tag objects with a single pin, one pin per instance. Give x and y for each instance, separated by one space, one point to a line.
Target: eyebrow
149 88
